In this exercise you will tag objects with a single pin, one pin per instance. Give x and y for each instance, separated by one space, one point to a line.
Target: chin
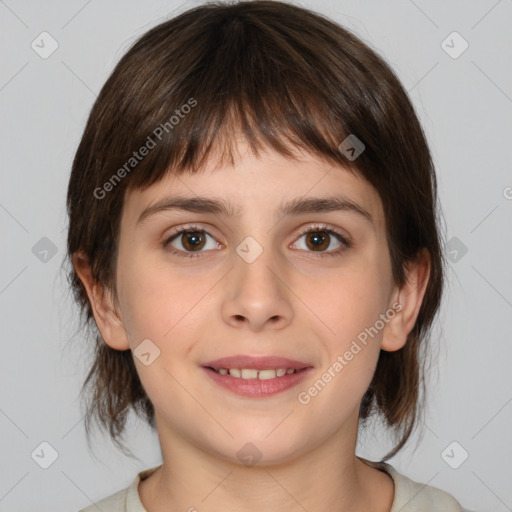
265 447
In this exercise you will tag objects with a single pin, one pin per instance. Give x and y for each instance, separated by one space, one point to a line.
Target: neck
327 478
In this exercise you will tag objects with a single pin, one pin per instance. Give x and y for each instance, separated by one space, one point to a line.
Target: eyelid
326 227
343 238
180 230
185 228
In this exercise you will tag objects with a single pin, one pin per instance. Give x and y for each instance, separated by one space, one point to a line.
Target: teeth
267 374
250 373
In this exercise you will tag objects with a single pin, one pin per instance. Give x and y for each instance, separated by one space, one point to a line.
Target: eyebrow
218 206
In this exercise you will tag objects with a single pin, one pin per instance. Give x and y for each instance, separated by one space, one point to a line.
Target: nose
256 295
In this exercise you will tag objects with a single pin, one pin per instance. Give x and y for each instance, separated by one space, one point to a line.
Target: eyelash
310 229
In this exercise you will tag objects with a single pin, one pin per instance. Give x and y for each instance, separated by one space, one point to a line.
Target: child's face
290 301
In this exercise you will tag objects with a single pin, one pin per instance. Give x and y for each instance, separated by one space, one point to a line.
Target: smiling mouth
251 373
257 376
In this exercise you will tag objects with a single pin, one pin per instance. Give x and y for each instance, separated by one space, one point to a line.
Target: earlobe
407 303
102 302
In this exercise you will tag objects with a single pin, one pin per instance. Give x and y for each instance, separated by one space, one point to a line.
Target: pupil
318 240
193 240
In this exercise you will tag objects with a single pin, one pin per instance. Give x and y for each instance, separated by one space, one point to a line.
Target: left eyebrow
219 206
300 205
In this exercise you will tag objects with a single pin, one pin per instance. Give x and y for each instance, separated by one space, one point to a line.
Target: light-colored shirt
410 496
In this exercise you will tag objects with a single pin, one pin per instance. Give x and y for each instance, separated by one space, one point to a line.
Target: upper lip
256 363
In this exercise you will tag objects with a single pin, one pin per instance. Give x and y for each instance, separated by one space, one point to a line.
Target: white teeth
250 373
267 374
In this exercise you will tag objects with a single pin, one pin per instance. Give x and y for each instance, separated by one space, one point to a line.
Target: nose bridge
252 266
255 294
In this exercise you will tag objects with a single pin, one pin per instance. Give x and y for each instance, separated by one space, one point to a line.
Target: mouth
250 373
257 377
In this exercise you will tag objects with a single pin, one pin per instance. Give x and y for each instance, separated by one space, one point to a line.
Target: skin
284 303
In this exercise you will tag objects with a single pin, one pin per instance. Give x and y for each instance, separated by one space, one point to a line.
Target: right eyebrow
216 206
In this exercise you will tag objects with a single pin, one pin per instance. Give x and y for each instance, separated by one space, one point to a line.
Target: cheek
352 299
164 308
162 305
350 303
149 301
351 353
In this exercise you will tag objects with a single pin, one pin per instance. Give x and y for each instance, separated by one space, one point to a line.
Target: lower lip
256 388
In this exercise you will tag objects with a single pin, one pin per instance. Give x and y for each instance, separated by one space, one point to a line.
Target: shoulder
126 500
114 503
411 496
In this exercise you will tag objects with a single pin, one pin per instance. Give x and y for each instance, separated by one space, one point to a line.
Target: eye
320 237
192 240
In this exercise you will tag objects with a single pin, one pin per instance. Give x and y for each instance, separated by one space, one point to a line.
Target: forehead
267 184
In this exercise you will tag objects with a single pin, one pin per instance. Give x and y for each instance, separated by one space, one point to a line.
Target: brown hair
280 75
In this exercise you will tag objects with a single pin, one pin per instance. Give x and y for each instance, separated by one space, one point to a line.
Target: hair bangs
261 93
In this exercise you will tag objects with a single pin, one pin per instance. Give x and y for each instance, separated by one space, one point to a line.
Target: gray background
465 106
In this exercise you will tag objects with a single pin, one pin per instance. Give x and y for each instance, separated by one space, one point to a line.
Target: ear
102 301
410 298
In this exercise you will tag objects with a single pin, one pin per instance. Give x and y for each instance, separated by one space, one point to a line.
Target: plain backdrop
464 99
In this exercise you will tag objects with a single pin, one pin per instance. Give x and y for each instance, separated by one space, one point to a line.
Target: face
254 282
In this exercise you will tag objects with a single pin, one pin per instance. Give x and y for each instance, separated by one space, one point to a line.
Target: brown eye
317 240
190 242
323 241
193 241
